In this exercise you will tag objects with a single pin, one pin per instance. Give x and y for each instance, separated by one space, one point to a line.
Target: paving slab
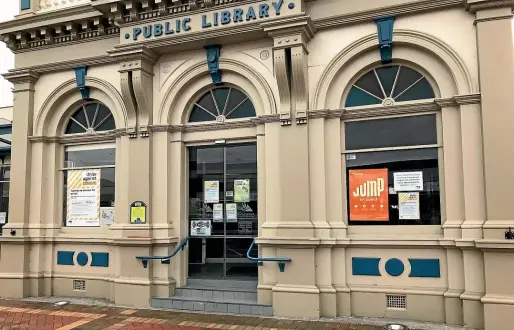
81 314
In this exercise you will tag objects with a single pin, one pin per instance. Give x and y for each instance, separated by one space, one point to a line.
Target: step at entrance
219 296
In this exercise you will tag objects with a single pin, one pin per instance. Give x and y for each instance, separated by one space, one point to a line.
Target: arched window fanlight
219 104
90 117
387 85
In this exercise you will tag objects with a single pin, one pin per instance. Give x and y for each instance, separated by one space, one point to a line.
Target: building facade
363 146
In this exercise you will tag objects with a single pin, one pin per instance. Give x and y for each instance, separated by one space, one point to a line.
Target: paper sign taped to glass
369 195
408 205
217 212
83 198
242 191
200 228
211 191
408 181
231 212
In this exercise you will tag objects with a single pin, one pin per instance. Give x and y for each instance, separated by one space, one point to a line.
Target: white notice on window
211 191
200 228
83 200
408 205
107 215
3 218
408 181
217 213
231 212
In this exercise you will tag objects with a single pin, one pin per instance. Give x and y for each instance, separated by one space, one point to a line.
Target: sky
9 9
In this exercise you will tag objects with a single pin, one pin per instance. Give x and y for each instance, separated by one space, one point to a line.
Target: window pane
221 97
236 97
5 173
391 132
406 78
96 113
107 189
424 160
387 75
198 115
85 158
369 83
422 90
356 97
243 111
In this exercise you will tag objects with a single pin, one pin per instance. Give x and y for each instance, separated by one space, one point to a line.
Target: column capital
17 77
293 31
476 5
134 58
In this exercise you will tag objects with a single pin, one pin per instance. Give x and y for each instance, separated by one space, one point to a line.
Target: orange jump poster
369 195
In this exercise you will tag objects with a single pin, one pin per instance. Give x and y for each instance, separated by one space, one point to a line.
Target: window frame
3 164
87 132
381 105
97 145
209 90
432 231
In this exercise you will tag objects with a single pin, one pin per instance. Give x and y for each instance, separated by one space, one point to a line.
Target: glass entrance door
222 210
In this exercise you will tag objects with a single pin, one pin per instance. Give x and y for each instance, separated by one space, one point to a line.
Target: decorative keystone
213 61
385 37
80 75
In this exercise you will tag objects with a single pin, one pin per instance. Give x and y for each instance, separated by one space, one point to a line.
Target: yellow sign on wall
138 212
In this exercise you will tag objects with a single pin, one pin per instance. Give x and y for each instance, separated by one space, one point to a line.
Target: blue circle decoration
127 35
291 5
82 258
394 267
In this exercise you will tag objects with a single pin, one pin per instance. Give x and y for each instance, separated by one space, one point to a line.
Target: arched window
90 117
219 104
387 85
89 170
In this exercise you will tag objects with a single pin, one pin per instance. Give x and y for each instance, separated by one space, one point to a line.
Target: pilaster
290 38
15 252
21 157
136 76
453 179
496 69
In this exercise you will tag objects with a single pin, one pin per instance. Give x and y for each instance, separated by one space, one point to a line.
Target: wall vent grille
396 301
79 285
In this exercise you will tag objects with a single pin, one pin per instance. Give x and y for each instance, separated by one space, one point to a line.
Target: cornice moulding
140 53
396 10
22 76
49 18
89 12
80 138
476 5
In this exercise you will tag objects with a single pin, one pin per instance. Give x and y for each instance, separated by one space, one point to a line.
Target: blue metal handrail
281 261
163 259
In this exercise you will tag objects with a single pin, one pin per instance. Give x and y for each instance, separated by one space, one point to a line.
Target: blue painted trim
425 268
213 62
99 259
82 258
163 259
394 267
365 266
80 76
385 37
25 4
281 261
65 258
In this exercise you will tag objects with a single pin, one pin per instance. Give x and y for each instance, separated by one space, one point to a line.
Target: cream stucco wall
296 70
